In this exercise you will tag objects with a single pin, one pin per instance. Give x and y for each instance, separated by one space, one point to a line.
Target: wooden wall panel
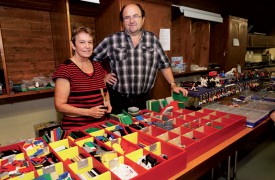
21 24
27 40
236 54
23 14
12 33
181 36
28 58
218 41
61 30
31 69
77 21
191 40
222 50
108 22
3 70
154 20
41 5
200 42
2 53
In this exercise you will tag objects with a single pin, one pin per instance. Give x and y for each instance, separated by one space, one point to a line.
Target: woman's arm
61 95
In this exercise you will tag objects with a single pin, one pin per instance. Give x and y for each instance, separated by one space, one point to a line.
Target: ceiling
259 14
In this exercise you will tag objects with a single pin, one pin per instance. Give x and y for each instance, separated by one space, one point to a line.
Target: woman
80 90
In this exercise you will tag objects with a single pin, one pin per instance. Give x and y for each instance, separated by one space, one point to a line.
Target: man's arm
167 73
100 52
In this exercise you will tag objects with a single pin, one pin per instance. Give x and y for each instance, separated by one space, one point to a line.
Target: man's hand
110 78
177 90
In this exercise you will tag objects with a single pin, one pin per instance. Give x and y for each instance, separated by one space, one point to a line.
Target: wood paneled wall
27 40
200 40
236 54
191 39
77 21
222 49
181 35
61 32
108 22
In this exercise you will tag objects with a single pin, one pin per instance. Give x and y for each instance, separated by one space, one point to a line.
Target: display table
202 164
195 142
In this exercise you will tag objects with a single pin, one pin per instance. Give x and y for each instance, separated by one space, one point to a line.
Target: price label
82 164
49 169
153 147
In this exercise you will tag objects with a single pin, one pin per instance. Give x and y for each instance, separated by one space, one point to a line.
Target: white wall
257 54
272 52
17 120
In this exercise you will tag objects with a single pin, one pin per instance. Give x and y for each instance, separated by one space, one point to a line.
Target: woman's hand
97 111
108 104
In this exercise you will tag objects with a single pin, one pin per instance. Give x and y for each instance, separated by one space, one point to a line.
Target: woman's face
83 45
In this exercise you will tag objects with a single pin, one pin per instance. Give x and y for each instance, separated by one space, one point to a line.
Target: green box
179 97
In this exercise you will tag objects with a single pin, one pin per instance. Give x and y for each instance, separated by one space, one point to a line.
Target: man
135 56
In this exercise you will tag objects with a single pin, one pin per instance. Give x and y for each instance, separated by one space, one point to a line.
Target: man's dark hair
138 5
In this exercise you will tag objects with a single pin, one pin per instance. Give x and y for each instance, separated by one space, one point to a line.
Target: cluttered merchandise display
135 144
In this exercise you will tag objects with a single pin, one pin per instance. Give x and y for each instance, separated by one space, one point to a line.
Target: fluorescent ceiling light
200 14
92 1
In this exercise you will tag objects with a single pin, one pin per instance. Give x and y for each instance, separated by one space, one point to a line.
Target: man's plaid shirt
135 68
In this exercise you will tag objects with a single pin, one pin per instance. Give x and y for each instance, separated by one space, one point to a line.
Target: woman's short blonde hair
81 29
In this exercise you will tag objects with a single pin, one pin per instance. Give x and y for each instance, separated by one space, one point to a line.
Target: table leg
235 166
228 168
212 173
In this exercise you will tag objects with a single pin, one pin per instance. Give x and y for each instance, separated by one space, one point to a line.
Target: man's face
132 19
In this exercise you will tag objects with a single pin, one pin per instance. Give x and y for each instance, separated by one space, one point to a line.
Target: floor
259 161
256 160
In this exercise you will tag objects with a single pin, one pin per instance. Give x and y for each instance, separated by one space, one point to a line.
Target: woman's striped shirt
84 90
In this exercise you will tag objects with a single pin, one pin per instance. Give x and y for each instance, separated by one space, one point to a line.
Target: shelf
259 66
260 41
191 73
28 95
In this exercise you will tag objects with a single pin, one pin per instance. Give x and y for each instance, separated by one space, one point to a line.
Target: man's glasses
134 17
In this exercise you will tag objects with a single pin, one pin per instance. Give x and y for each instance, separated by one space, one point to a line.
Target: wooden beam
3 58
42 5
61 31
